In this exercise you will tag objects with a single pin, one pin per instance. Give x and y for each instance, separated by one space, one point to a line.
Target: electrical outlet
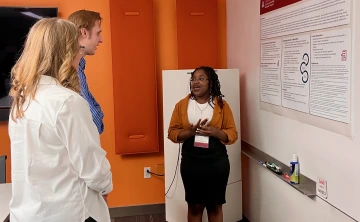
146 174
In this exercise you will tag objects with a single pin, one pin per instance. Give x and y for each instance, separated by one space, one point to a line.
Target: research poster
306 57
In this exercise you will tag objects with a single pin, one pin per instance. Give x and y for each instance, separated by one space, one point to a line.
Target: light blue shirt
97 113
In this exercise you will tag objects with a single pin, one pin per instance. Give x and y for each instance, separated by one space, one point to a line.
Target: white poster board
306 62
322 154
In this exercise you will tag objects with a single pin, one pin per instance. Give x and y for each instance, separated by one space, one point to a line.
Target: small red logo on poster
343 55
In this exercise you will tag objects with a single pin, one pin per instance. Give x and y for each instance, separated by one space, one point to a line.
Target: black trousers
90 220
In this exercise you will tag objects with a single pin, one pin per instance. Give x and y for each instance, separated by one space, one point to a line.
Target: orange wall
129 186
222 34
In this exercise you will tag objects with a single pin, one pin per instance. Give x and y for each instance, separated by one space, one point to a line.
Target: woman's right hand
195 127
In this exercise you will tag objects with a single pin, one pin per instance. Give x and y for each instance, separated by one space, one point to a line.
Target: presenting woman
204 123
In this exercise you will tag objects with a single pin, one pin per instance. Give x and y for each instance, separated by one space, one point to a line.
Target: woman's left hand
208 131
212 131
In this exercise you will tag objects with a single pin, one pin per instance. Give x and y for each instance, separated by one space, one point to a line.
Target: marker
287 177
262 163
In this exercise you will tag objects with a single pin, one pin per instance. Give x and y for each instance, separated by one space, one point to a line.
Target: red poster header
271 5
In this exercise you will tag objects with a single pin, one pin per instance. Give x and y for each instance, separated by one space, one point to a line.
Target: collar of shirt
82 78
47 80
82 64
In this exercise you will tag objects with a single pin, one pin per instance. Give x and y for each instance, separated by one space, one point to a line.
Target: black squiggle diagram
305 74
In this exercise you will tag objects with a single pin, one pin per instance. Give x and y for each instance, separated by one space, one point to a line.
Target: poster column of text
295 73
330 80
270 72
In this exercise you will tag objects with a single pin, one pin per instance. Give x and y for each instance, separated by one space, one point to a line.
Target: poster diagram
295 73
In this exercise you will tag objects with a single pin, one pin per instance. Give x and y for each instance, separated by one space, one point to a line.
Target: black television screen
15 23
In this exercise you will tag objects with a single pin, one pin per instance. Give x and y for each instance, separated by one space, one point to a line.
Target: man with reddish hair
89 25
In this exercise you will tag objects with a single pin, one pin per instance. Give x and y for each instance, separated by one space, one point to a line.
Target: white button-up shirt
59 170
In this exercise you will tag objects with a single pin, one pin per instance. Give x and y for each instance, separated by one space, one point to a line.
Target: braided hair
214 85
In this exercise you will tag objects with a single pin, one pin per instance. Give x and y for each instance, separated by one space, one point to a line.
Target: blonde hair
85 19
50 49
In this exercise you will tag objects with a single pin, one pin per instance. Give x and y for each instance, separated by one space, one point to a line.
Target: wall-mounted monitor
15 23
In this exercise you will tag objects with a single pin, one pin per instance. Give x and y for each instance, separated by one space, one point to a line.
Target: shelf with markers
289 173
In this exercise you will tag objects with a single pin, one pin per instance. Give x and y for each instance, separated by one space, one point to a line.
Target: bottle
294 170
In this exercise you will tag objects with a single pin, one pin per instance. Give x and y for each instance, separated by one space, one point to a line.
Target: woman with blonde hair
59 170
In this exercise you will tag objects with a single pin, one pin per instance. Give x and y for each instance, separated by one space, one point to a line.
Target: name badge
201 141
